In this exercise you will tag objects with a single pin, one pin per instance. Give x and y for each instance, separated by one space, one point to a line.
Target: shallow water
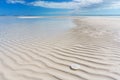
25 28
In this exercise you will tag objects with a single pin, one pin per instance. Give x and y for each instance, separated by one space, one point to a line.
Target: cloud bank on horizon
85 6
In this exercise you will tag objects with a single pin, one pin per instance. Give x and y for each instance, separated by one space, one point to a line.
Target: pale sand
93 44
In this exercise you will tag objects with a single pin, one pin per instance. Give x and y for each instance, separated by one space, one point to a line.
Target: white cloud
66 5
74 4
113 5
16 1
89 1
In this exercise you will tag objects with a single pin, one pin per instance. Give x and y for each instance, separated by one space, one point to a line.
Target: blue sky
59 7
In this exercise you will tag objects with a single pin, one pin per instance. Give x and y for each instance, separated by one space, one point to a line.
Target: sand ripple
50 60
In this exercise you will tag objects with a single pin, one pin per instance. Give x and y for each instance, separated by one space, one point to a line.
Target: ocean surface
35 27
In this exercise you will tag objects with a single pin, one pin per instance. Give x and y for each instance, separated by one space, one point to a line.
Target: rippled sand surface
28 52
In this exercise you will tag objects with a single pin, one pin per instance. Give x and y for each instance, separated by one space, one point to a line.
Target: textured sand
93 44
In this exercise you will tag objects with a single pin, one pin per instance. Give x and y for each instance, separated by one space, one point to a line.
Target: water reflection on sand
35 27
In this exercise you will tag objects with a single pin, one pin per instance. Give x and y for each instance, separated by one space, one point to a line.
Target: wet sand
93 43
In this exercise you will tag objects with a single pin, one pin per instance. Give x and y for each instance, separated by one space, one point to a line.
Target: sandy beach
37 53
